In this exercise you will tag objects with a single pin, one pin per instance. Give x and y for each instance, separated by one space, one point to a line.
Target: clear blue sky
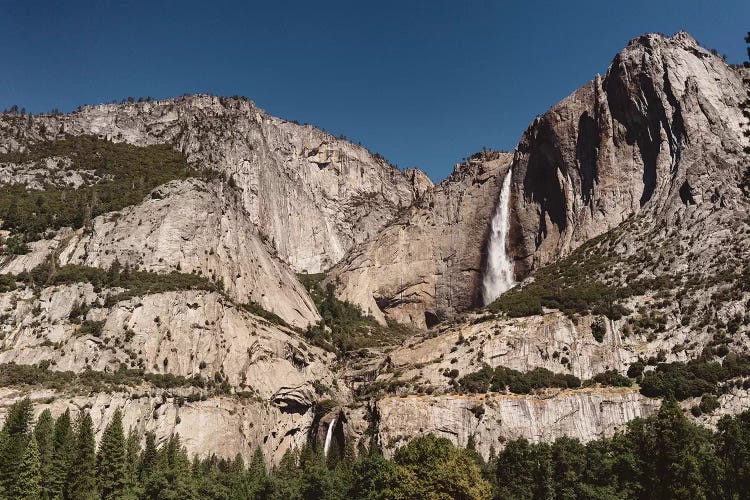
423 83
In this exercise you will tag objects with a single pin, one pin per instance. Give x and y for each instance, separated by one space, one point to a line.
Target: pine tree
28 484
16 430
149 458
682 458
132 455
734 448
237 478
178 470
258 475
44 434
111 461
172 477
81 478
287 477
61 455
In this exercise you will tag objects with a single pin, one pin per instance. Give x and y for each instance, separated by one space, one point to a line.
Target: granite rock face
427 265
661 131
311 195
184 333
494 419
272 374
190 227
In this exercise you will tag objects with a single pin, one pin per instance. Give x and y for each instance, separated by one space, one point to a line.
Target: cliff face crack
587 149
567 415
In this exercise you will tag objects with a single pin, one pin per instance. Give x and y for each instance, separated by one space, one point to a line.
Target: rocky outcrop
549 341
661 131
190 227
311 195
492 419
427 265
185 333
221 425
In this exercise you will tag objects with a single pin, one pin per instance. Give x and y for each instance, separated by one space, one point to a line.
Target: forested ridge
663 456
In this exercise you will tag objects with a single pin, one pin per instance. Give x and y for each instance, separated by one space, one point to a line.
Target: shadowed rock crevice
686 194
587 150
545 166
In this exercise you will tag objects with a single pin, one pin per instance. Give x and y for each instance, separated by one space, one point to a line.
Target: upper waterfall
498 275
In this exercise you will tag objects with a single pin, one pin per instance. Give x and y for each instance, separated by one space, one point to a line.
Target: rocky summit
245 281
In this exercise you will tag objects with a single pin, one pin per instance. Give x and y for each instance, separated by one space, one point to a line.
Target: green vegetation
428 467
663 456
122 175
7 283
343 327
595 279
694 378
93 328
678 380
502 379
13 375
133 283
612 378
598 329
257 310
16 245
574 285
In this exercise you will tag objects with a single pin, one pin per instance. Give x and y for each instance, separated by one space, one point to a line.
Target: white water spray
498 277
329 435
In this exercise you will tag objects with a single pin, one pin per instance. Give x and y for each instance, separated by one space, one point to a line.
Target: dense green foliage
344 327
257 310
502 379
663 456
694 378
582 283
122 175
111 466
13 375
134 283
612 378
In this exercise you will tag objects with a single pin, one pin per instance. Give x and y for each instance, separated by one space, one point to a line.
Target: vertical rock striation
661 130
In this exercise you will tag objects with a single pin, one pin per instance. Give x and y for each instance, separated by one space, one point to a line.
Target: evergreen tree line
663 456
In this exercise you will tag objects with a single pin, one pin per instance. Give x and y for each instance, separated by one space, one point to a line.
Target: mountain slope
629 230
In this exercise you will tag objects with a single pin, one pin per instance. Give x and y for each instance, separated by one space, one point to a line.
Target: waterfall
329 435
498 276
